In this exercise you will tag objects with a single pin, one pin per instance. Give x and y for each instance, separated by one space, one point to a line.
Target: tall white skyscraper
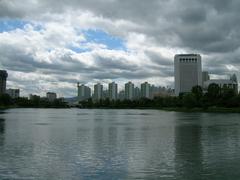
145 90
129 91
98 91
113 91
188 72
84 92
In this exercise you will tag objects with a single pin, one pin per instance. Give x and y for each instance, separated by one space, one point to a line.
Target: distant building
121 95
205 76
98 92
164 92
34 97
230 83
13 93
51 96
137 93
234 78
188 72
145 90
129 91
3 81
105 94
153 91
84 92
113 91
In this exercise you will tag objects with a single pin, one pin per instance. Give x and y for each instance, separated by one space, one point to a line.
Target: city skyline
54 46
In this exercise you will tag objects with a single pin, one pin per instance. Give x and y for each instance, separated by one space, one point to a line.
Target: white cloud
152 32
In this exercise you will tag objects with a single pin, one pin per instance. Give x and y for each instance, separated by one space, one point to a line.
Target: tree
189 100
198 92
213 91
5 100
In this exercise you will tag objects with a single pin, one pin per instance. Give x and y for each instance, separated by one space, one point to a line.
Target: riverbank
208 110
177 109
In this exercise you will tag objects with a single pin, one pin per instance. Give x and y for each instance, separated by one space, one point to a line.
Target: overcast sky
50 45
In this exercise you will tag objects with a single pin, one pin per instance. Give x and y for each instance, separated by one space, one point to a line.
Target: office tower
98 92
129 91
145 90
188 72
205 76
3 81
113 91
13 93
84 92
137 93
51 96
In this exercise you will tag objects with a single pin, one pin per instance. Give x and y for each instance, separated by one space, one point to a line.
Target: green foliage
197 91
213 91
35 102
189 100
5 100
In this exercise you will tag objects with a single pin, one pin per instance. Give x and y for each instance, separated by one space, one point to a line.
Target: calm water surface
118 144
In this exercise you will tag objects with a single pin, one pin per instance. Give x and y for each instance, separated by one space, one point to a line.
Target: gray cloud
209 27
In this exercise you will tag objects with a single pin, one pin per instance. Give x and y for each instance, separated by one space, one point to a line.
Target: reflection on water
2 130
2 124
188 155
118 144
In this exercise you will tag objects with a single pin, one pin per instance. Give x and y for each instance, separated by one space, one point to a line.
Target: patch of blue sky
7 25
79 49
101 37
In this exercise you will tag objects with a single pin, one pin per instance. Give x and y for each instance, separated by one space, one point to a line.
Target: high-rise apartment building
3 81
137 93
13 93
113 91
98 92
51 96
84 92
145 90
205 76
188 72
129 91
121 95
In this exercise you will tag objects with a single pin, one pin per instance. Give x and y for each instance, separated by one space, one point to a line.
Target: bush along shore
215 99
36 102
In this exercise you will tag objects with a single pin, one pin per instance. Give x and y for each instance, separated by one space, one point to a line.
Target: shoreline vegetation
215 99
6 102
177 109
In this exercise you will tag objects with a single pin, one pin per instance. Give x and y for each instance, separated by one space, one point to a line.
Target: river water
118 144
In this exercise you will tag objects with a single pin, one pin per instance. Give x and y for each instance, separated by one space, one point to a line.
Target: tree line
35 102
215 96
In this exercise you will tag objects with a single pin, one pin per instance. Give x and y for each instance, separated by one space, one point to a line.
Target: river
118 144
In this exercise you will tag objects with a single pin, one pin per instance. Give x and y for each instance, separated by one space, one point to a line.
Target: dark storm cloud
158 59
16 60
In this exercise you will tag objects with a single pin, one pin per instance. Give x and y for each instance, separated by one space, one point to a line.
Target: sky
50 45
